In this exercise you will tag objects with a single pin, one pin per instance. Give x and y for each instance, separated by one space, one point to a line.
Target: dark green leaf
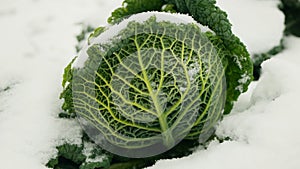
71 152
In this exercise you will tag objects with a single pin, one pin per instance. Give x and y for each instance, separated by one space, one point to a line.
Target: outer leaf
67 77
239 71
71 152
134 6
258 59
67 92
52 163
291 10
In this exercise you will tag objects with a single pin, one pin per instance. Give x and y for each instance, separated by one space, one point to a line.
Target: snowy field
37 42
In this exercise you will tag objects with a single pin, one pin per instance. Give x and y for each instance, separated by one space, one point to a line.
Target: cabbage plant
145 83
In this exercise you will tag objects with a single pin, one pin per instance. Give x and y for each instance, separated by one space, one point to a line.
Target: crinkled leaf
52 163
291 10
133 7
67 92
67 76
96 33
71 152
239 70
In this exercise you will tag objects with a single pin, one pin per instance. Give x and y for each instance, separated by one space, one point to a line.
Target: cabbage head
140 87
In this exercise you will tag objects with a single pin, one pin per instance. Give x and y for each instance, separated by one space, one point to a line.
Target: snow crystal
96 159
244 78
88 148
87 151
182 89
240 88
193 71
236 59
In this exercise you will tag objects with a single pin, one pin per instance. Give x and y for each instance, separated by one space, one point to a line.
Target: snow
242 81
264 124
112 31
37 42
87 151
258 23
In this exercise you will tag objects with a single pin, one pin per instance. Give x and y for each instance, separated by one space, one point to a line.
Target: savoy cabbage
157 82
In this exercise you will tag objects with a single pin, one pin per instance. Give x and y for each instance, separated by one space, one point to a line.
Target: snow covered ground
264 124
38 39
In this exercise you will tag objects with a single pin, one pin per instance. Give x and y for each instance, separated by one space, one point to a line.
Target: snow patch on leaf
113 30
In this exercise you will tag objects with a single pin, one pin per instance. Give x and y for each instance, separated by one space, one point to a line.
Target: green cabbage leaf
157 82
